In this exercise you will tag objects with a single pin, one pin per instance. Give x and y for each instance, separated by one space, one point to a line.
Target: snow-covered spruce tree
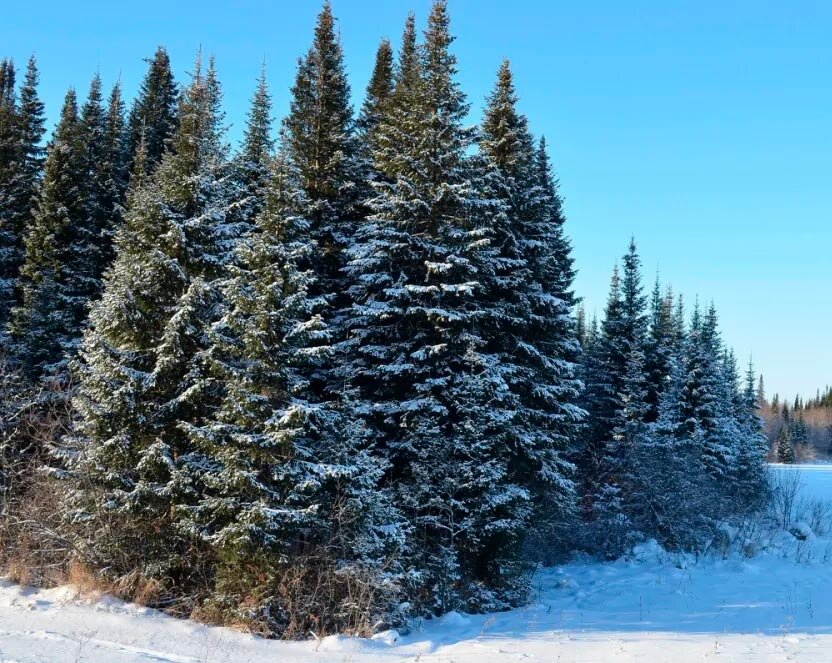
154 115
250 166
615 399
601 371
798 430
591 336
634 328
707 419
143 370
526 316
715 406
785 449
10 231
678 325
378 91
673 499
106 178
427 387
288 491
320 142
113 173
555 265
750 481
21 163
659 349
46 324
731 378
257 139
68 246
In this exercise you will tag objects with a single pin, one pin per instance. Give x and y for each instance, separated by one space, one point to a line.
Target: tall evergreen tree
556 266
785 449
659 349
91 252
46 324
426 381
154 115
21 163
113 173
527 319
376 96
602 371
143 372
750 463
251 164
288 487
581 326
257 139
616 399
320 142
762 401
716 390
10 231
634 329
378 91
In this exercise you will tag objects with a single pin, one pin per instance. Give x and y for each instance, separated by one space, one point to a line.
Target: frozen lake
815 481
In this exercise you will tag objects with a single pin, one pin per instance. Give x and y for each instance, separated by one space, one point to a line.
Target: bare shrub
310 596
33 547
818 515
785 492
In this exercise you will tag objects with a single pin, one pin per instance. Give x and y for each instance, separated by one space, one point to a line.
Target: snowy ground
653 608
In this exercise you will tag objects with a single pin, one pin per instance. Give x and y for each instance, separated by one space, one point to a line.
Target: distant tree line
338 379
800 432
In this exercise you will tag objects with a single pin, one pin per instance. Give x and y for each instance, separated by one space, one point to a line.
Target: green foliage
21 161
153 116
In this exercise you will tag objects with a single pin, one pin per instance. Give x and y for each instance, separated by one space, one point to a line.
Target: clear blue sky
702 128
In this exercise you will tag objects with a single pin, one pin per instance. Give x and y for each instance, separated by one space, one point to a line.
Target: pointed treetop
544 172
615 285
325 27
115 99
407 68
439 62
437 34
92 112
656 297
95 87
505 137
257 140
69 110
696 318
381 84
199 136
115 115
32 113
319 124
154 110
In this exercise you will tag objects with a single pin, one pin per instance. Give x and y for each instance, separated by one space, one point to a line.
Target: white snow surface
652 607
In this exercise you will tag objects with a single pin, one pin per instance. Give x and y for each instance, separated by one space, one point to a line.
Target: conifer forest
337 378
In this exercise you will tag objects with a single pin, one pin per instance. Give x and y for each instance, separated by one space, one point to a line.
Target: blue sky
704 129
